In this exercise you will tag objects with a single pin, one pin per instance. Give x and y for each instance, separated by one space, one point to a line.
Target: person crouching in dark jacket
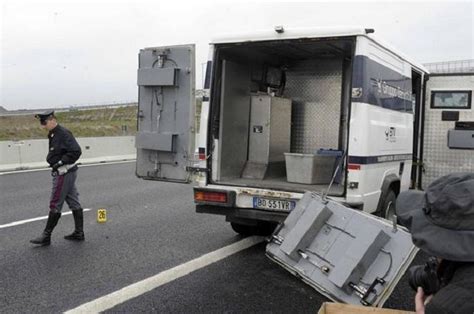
441 222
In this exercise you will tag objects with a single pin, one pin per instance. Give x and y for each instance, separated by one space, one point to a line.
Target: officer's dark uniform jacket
63 146
457 297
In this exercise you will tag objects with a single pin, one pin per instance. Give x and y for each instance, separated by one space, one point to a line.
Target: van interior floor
281 183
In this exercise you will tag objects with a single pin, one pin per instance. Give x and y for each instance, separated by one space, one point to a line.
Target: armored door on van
166 113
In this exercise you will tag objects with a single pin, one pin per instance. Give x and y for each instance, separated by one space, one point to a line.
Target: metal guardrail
456 66
29 154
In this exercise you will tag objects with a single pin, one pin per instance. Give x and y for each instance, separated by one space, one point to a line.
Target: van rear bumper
235 214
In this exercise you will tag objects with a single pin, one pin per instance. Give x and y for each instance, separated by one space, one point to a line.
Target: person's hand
57 165
421 300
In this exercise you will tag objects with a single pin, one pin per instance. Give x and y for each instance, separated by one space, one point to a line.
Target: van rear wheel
388 207
262 228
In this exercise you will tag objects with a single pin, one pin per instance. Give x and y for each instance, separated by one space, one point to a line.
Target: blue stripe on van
376 84
365 160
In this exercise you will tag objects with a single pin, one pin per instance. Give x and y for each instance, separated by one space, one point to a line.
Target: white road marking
80 166
129 292
16 223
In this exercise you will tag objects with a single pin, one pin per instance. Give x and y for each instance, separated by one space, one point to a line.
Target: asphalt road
151 227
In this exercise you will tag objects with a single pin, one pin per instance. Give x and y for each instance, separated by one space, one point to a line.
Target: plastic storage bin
309 168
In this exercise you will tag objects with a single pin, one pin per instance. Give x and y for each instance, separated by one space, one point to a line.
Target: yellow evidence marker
101 215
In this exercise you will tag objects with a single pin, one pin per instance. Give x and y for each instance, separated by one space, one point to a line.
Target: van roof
317 32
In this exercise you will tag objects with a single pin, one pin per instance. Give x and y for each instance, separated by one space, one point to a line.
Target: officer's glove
57 165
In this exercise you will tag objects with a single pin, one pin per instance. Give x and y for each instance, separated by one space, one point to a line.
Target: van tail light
353 166
202 153
208 196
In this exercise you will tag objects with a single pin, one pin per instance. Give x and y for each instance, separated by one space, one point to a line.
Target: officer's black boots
45 237
78 234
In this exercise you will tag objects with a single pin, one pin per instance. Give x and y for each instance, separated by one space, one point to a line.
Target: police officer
63 152
441 222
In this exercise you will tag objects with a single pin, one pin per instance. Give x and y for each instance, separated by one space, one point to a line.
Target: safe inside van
329 110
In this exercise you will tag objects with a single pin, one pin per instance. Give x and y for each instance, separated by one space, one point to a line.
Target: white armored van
329 110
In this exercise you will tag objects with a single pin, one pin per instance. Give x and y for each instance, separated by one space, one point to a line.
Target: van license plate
267 203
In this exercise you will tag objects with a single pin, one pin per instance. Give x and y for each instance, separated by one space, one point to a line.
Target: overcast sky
65 53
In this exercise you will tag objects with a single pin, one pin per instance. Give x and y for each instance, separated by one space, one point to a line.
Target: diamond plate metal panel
315 88
438 159
234 116
280 135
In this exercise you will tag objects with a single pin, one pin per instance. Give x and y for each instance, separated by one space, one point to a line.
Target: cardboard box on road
340 308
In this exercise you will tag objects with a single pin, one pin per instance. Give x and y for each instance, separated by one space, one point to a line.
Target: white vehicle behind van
448 123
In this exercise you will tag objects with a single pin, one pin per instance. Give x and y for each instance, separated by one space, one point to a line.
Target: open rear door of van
347 255
166 113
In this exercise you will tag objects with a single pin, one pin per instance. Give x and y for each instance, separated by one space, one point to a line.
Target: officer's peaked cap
44 115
